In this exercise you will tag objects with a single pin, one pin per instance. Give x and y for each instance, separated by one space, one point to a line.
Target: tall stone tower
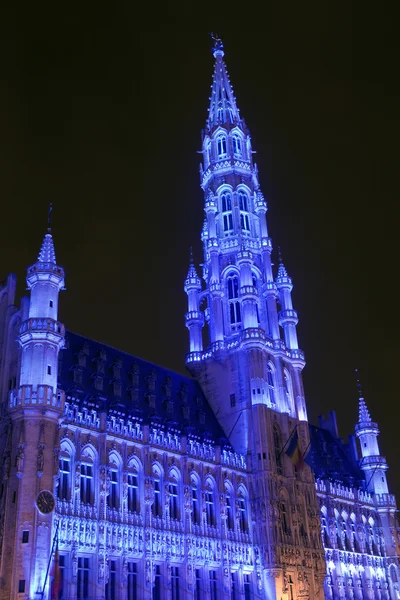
31 462
250 368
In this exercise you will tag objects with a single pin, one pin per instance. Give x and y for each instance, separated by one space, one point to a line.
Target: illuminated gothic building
159 486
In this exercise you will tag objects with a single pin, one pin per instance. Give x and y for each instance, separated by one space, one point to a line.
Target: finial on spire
358 383
191 259
218 46
49 217
280 255
282 273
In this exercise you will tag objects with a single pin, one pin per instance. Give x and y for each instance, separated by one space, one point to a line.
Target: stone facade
173 487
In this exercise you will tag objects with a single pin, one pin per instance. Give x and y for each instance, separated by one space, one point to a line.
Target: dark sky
104 121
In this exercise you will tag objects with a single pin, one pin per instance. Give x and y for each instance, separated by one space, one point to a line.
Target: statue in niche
40 460
101 570
19 460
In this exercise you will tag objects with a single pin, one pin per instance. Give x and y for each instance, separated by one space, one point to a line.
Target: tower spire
363 413
223 109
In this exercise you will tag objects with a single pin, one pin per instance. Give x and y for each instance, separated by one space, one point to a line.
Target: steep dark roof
330 458
116 382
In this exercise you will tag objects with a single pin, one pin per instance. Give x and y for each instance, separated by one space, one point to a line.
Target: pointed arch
243 508
229 503
232 293
195 485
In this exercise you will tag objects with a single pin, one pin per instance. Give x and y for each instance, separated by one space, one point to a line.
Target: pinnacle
363 412
47 253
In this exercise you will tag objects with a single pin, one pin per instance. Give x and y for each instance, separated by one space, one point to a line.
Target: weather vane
218 45
358 383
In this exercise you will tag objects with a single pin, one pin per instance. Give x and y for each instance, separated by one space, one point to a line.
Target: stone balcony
41 395
49 328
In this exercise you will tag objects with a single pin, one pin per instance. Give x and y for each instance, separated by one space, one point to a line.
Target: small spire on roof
281 269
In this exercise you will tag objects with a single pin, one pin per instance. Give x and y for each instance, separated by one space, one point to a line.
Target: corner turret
287 316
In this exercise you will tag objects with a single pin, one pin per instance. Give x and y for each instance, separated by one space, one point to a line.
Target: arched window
113 496
226 210
244 211
229 507
237 144
221 146
86 480
64 485
271 384
196 509
156 507
209 504
132 482
278 450
243 520
173 489
235 316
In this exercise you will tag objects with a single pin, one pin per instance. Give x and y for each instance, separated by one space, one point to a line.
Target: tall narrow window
248 588
112 498
173 500
156 506
82 581
111 585
209 500
157 583
278 451
195 504
244 211
213 585
233 301
243 515
226 210
64 482
237 145
174 583
229 511
61 566
271 385
133 499
198 591
132 581
234 587
86 483
221 146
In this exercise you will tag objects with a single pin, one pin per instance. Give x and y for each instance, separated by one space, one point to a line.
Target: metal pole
51 554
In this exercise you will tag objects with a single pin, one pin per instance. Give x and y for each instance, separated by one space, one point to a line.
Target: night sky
104 121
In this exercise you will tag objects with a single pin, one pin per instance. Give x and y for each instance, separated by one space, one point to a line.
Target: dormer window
237 145
221 146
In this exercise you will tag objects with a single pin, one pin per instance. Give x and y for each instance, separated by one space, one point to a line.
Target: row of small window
134 591
172 492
